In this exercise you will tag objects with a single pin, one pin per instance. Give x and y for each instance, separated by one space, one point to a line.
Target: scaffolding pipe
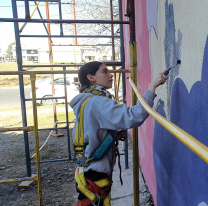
23 26
188 140
93 45
51 68
133 65
67 119
41 0
72 65
75 25
43 23
35 122
71 36
122 56
56 72
113 46
30 128
57 21
21 87
27 10
60 16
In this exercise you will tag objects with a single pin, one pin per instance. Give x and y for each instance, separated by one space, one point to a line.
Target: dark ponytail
89 68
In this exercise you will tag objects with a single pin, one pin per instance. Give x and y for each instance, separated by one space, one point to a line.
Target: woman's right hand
159 79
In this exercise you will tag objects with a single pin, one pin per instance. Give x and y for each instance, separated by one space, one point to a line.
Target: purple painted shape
152 11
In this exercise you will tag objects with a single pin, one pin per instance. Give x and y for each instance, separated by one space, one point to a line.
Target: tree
9 52
93 10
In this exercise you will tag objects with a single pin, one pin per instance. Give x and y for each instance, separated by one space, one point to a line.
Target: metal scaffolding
61 21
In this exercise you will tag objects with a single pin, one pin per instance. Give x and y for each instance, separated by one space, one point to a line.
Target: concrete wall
167 30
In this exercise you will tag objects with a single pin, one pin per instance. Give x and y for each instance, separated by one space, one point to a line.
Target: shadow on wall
181 175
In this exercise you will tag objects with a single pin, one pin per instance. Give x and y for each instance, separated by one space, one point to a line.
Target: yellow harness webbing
79 173
79 136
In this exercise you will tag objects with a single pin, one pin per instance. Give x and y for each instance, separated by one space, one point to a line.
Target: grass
45 117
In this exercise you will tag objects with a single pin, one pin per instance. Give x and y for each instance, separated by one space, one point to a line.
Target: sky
7 28
7 35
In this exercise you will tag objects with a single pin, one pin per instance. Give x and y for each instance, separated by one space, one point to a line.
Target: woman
102 115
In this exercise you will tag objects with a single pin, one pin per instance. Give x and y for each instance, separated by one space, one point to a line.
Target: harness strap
85 202
82 186
91 189
119 163
106 201
79 136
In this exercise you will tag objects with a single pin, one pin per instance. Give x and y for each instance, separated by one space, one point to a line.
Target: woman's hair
89 68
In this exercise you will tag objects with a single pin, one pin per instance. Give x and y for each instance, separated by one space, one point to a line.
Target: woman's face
102 77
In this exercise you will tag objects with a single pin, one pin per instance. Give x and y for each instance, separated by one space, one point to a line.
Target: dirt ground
58 185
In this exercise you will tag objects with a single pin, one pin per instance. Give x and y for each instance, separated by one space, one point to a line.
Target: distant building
28 54
65 54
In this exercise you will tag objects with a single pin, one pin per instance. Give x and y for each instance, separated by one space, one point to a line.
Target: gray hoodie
102 114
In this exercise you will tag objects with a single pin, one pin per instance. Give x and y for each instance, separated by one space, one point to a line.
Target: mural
181 175
174 174
171 50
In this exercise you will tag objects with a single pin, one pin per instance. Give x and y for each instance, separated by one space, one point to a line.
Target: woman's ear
91 78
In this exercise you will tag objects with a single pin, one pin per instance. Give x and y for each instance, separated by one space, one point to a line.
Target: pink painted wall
146 131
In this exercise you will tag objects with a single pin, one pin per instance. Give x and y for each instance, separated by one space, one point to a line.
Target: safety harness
92 190
98 190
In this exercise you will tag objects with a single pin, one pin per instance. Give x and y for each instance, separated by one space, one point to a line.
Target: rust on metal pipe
113 45
51 62
75 25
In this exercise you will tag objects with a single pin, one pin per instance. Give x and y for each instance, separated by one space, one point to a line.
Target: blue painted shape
171 49
152 10
182 177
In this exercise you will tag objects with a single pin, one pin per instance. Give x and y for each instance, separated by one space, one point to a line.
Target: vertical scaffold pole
21 87
113 46
51 62
67 112
133 65
123 74
35 120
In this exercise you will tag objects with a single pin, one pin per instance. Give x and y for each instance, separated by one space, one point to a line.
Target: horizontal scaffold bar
43 129
18 179
30 128
107 63
46 98
94 45
42 0
191 142
56 72
70 36
64 21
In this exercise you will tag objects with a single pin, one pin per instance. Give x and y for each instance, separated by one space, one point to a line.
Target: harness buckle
97 199
81 162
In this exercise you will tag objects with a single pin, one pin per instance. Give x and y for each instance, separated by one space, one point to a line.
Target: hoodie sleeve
115 116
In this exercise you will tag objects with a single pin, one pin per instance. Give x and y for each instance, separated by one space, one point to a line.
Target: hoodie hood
77 101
